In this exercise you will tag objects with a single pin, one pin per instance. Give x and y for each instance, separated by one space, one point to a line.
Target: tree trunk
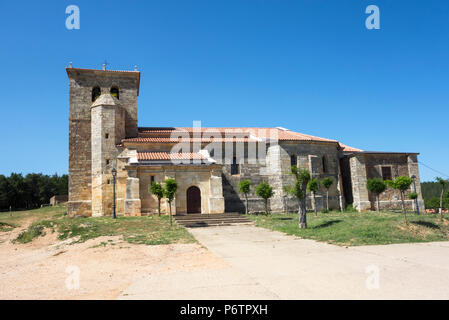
441 204
246 198
327 199
378 203
159 206
266 207
302 214
169 204
314 203
404 211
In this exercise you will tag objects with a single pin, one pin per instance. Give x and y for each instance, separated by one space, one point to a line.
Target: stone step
207 220
199 224
213 221
206 216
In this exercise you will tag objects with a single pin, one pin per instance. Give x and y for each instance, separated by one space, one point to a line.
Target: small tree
402 184
312 186
298 190
443 184
327 183
170 188
157 189
413 196
376 186
265 191
244 187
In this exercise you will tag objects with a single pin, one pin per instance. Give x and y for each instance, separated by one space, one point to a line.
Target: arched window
324 160
96 92
115 92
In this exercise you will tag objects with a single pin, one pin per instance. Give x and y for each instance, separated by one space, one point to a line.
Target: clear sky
308 65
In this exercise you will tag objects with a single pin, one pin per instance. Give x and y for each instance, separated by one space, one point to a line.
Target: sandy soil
46 268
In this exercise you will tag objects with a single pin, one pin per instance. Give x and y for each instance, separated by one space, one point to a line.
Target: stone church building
207 163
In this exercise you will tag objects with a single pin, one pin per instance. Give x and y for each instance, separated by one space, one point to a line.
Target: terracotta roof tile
228 134
146 156
348 148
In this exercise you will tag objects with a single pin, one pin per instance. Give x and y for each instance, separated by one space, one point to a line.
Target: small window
386 173
96 92
234 166
212 153
324 160
152 179
109 181
107 161
293 160
107 136
115 92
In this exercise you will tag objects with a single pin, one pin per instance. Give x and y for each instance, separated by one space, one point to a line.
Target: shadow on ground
326 224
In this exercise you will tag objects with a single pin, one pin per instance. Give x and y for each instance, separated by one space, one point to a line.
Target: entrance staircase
208 220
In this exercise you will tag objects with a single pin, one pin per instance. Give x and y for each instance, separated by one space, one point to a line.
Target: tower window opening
107 135
96 92
115 92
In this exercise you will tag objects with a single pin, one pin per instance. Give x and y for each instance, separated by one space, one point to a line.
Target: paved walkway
263 264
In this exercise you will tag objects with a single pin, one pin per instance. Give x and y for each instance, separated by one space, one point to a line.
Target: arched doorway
193 200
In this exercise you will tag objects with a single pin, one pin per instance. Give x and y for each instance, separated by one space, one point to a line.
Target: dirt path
47 268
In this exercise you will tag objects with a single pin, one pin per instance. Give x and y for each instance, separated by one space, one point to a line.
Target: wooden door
193 200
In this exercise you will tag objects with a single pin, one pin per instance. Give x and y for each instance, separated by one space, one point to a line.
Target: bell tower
85 87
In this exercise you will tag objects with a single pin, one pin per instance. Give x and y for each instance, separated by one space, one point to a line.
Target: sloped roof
346 148
219 134
147 156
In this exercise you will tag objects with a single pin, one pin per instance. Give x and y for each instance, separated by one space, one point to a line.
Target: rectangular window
293 161
107 135
386 173
107 161
234 166
152 179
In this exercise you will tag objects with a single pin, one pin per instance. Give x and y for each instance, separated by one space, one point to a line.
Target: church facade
207 163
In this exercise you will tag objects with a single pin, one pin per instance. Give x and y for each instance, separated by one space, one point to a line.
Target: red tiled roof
145 156
220 134
349 149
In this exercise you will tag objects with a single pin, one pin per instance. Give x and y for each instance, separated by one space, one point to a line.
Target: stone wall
81 83
366 166
206 177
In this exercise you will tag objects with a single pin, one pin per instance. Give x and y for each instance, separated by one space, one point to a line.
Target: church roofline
98 71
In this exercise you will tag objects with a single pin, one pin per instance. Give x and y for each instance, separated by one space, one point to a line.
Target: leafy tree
170 188
376 186
312 186
443 183
402 184
31 191
327 183
265 191
244 187
157 189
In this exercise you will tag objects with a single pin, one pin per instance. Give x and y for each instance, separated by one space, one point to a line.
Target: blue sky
307 65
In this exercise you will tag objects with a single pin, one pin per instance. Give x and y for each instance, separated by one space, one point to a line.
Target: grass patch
148 230
354 229
4 226
33 231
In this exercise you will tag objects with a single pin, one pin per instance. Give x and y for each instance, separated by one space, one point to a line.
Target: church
107 145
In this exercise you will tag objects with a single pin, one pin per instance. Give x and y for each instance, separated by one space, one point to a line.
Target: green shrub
32 232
